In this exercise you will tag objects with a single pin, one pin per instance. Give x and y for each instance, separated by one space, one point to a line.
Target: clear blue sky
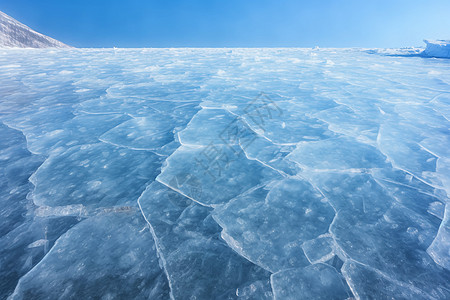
235 23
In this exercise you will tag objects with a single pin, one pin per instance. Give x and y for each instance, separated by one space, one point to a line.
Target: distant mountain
14 34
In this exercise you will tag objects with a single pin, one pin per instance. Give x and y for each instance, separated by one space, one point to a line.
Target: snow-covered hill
14 34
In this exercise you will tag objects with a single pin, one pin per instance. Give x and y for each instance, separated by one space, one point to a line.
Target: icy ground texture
223 174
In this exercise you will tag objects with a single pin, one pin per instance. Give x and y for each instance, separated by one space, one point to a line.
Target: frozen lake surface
223 174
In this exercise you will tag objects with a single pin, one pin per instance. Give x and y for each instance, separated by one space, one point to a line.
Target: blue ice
224 174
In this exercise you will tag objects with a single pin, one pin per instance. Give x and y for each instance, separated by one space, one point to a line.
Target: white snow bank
437 48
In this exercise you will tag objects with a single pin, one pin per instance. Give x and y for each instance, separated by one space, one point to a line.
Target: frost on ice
223 174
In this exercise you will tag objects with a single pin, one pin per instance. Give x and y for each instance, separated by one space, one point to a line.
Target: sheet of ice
146 133
117 259
342 153
369 241
261 174
318 281
189 245
439 250
24 239
269 225
217 173
89 175
320 249
282 122
366 282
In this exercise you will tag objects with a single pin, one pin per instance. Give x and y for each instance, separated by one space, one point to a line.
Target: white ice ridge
437 48
224 174
14 34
